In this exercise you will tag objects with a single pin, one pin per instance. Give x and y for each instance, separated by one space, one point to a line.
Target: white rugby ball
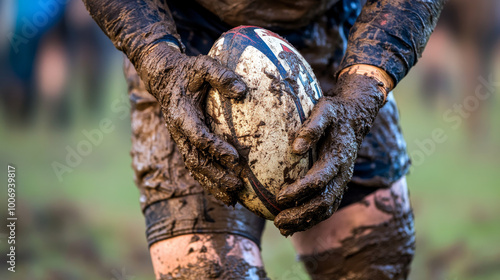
282 93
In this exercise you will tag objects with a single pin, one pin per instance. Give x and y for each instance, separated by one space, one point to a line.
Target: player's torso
268 13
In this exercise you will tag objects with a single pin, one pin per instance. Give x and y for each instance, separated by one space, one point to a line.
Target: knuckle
227 75
193 161
324 204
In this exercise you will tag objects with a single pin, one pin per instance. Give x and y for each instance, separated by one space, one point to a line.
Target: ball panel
263 125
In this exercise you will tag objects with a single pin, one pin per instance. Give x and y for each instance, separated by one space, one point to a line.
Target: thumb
314 127
226 81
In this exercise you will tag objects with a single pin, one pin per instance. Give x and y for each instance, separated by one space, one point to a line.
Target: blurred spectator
472 28
52 46
31 22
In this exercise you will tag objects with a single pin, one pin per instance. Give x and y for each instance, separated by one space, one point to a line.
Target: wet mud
379 252
200 213
293 14
145 31
338 123
217 256
375 250
173 201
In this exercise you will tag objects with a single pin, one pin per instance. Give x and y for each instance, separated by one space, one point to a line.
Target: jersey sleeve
134 25
392 34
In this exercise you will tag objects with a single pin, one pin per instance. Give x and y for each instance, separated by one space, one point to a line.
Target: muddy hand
180 86
338 124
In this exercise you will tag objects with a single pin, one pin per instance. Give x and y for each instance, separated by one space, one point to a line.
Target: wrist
154 65
384 82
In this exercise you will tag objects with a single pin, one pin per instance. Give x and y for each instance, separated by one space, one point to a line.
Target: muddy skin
227 265
378 251
182 94
292 14
173 202
344 118
382 157
159 170
145 32
179 83
393 41
381 252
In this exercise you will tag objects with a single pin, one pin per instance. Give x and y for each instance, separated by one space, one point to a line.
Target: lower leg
207 256
371 239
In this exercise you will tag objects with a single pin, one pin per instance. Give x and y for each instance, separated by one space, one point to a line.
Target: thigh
371 239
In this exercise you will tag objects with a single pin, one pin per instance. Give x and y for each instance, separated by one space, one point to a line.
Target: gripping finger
222 183
314 127
199 135
306 215
227 82
322 172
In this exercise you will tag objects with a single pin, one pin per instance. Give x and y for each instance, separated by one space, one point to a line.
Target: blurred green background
87 224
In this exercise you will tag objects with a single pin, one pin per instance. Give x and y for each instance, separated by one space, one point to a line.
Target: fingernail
286 233
283 197
238 88
300 146
229 160
229 156
280 199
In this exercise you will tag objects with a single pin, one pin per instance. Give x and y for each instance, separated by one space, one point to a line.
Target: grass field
88 225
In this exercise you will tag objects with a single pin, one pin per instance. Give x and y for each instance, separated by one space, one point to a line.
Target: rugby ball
282 92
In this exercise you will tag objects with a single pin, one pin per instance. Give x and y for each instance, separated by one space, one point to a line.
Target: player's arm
385 42
145 31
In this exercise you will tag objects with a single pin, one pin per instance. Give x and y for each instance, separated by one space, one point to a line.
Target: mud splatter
294 74
226 264
200 214
344 118
382 252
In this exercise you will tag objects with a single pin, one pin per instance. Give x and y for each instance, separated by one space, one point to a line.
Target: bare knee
202 256
372 239
379 252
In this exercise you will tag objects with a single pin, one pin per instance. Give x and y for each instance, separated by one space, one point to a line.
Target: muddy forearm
134 26
392 34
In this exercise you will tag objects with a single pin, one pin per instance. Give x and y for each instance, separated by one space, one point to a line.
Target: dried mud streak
294 63
228 266
266 197
382 252
199 213
277 86
159 170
